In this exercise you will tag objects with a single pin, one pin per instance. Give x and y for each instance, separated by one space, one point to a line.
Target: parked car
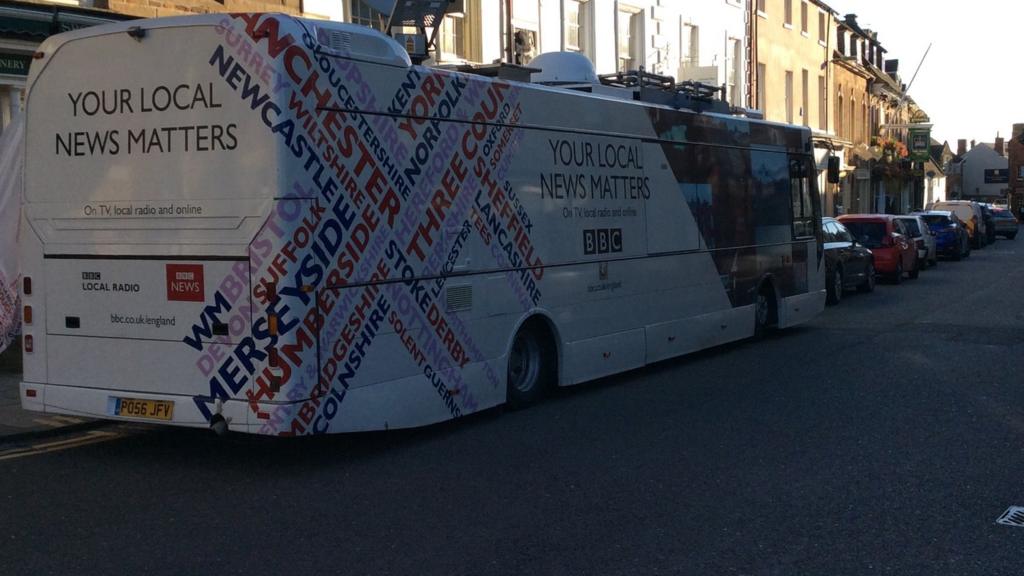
990 224
951 238
848 263
923 238
893 253
971 215
1006 223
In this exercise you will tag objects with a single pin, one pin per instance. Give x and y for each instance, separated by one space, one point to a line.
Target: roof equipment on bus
419 15
660 89
502 70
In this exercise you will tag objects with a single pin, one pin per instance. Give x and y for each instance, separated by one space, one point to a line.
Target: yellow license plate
151 409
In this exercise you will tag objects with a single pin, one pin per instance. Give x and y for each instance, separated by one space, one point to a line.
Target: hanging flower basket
893 150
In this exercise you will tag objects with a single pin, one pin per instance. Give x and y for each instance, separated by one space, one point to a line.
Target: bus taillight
27 343
27 315
27 285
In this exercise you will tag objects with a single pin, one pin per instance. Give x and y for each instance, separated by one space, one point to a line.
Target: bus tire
765 310
531 364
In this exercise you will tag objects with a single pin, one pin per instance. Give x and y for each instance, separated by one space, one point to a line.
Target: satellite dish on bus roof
563 68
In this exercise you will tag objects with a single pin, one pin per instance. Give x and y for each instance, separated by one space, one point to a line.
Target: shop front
23 26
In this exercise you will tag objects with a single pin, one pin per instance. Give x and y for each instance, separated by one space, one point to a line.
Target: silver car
923 237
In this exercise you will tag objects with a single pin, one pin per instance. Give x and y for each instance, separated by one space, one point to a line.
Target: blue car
951 240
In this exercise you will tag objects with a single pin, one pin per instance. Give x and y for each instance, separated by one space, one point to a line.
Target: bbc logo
602 241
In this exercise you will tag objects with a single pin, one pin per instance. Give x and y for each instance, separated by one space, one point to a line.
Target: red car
893 249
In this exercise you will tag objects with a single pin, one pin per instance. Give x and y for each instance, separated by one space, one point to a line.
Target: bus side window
801 191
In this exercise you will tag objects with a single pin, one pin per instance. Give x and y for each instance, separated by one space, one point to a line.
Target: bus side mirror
833 170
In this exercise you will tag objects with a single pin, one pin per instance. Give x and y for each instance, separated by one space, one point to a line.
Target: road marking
56 421
67 419
84 439
48 422
1014 516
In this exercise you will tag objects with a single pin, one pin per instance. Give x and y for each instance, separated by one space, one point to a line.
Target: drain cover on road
1014 516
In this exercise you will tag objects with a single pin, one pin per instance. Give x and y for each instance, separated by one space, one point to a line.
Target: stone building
791 79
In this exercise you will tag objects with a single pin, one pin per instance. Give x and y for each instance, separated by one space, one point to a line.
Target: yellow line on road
90 437
47 422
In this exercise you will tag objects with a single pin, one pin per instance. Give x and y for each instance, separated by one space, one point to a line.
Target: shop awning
25 28
35 22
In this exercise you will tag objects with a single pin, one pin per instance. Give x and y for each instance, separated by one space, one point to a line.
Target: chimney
1018 129
999 145
972 144
961 147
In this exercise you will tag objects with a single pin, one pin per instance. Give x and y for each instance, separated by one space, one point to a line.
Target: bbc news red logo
185 282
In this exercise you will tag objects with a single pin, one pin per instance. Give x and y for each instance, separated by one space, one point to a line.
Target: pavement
17 425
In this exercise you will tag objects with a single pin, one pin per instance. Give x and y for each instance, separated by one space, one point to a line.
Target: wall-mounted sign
997 176
919 144
14 64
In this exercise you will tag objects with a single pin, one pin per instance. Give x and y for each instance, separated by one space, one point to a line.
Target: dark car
951 238
848 263
1006 223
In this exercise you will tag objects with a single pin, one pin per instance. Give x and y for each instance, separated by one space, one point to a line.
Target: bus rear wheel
764 311
530 365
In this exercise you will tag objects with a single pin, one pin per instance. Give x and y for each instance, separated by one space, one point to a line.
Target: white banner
11 152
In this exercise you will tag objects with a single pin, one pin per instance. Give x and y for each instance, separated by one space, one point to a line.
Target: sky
971 84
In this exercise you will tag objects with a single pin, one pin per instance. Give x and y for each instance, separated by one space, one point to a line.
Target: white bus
283 227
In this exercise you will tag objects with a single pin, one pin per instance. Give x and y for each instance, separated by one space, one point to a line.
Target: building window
453 37
864 124
852 128
760 6
805 98
737 72
789 96
630 35
822 27
572 26
762 79
365 15
803 17
839 113
822 104
787 13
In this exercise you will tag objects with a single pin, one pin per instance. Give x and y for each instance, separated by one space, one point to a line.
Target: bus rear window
869 234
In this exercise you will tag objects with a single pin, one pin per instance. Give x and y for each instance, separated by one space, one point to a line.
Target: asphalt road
885 437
